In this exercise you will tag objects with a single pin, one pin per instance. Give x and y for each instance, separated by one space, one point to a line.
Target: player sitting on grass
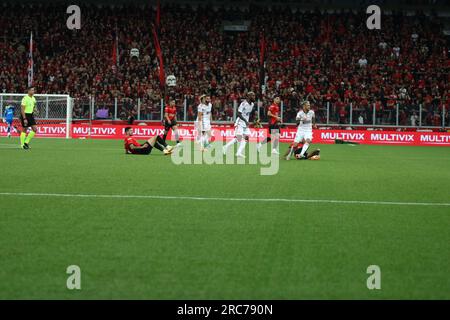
134 147
297 150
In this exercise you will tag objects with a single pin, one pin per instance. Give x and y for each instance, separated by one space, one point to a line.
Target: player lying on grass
134 147
297 151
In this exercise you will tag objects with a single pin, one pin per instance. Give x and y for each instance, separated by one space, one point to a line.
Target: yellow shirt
29 103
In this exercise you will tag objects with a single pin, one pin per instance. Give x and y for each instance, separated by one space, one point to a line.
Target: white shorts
303 135
241 131
206 126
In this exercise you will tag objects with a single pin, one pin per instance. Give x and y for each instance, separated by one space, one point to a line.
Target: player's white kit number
241 127
205 121
304 130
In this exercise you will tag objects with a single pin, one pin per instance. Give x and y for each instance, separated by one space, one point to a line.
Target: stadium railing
401 114
225 111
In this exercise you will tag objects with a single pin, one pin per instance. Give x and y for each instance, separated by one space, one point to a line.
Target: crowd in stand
322 57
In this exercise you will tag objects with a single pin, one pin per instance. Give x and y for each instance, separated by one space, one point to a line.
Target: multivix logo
191 153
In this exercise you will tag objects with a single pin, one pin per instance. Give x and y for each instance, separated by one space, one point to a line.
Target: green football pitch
141 227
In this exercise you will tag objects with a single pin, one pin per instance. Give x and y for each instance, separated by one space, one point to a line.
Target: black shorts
274 127
146 150
30 120
297 154
168 126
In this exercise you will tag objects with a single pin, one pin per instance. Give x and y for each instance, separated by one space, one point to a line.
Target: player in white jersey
198 133
204 121
242 126
307 120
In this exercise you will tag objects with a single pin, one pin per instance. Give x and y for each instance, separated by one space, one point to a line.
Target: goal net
53 112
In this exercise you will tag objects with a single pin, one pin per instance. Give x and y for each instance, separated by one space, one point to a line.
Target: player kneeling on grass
307 120
134 147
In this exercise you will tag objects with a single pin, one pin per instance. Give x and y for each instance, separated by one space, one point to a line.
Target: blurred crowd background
396 75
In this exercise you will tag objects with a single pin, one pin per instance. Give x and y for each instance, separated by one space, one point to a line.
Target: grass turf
189 249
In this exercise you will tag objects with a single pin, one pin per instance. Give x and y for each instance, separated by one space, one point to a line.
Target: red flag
114 56
162 75
30 62
262 62
262 50
115 51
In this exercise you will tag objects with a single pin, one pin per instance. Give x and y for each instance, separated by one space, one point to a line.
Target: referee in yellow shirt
27 119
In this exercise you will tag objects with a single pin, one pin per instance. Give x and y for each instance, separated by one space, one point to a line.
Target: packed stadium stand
320 56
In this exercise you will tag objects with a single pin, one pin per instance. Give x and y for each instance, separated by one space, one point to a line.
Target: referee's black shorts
146 150
30 120
275 128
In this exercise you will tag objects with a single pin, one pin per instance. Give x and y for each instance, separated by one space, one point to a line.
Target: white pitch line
9 145
120 196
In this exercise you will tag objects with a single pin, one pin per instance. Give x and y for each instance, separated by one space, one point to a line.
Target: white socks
203 140
241 146
305 147
291 151
230 143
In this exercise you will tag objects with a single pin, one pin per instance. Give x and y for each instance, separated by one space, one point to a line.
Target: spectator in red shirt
379 111
342 115
437 120
204 59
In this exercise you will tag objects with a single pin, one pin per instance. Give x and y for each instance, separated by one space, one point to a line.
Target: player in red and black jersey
314 155
274 125
170 121
133 147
